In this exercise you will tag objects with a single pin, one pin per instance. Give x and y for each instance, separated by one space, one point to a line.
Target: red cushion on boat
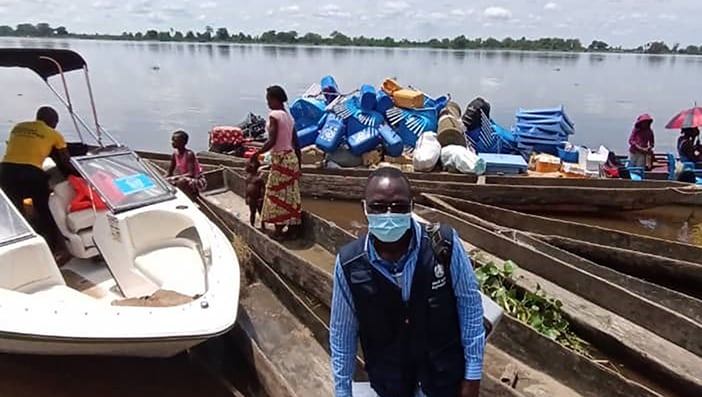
82 201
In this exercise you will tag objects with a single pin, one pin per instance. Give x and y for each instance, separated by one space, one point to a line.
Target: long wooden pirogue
586 196
670 263
553 370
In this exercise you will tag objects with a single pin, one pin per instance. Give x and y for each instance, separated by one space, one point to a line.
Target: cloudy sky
619 22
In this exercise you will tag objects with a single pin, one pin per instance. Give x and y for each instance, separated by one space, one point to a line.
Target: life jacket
81 201
406 344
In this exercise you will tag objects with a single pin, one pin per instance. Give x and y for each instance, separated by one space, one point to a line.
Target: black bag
472 118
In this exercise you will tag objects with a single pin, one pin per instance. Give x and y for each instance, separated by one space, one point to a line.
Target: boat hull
157 348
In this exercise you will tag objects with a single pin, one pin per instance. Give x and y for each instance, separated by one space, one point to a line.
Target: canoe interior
329 237
549 226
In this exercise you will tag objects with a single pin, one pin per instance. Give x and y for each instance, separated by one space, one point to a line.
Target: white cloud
208 5
332 11
102 4
290 8
157 17
396 5
461 13
551 6
438 15
202 17
497 13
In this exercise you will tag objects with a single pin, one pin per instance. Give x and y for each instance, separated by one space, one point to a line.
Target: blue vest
412 343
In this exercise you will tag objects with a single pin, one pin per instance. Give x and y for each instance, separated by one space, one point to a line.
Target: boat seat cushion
63 294
86 238
176 267
80 220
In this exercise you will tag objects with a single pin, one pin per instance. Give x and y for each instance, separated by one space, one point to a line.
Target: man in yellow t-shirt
21 172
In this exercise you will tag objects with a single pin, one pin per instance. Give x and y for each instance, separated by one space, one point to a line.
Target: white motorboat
149 276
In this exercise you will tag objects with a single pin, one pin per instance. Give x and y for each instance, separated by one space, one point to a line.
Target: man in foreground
21 172
420 323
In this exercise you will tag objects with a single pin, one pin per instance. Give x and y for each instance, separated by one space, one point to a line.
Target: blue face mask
389 227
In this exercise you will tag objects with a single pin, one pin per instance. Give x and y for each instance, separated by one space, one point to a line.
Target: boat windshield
123 180
13 226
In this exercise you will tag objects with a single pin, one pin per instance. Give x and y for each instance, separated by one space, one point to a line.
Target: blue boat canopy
42 61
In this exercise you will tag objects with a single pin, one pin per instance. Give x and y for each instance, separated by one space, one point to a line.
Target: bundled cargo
427 152
460 159
542 130
307 112
329 88
450 131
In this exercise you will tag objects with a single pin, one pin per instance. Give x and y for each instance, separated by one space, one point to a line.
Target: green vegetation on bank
336 38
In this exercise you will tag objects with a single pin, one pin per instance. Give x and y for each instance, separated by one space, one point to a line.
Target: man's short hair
48 115
390 173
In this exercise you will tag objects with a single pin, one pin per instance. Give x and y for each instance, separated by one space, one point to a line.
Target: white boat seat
80 220
176 266
63 294
75 227
28 266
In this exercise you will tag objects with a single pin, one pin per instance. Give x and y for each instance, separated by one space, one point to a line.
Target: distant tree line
337 38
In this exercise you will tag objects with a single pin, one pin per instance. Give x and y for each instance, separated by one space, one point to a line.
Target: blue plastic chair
690 166
671 167
635 173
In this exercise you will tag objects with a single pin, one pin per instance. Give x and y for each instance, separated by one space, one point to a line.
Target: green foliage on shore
336 38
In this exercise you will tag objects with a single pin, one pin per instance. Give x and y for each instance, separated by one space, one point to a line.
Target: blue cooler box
508 164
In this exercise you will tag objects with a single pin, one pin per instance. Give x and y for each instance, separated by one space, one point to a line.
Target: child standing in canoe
255 190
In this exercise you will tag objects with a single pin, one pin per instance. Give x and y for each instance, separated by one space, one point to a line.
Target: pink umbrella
689 118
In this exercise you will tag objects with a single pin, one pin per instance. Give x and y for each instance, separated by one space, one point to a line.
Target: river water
144 91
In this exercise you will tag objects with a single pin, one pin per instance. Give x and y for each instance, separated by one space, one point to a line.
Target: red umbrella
689 118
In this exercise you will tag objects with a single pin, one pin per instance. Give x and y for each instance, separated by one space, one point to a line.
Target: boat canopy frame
50 62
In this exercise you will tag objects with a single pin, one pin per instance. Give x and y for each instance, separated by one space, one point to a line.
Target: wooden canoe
546 194
598 302
300 268
677 265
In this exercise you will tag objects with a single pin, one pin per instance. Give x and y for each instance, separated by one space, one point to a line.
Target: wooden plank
681 276
574 230
683 304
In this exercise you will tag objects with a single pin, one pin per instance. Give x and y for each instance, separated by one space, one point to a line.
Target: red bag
82 199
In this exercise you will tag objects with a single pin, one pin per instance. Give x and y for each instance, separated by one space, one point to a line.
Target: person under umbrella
688 121
689 148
